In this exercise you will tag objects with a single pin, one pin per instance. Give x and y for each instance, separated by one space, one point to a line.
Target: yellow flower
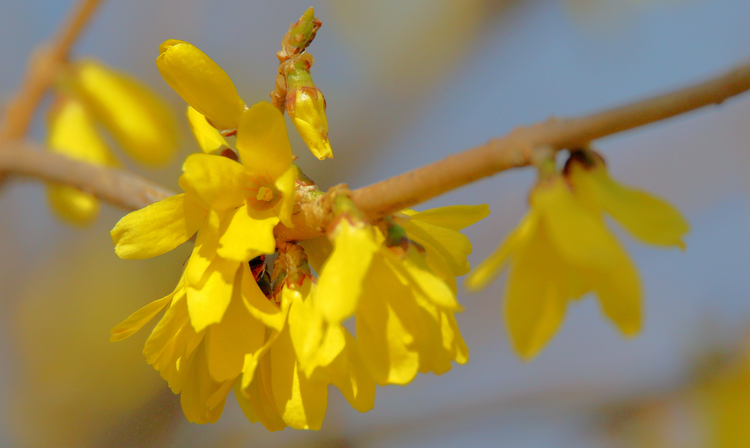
138 119
646 217
201 83
404 311
237 205
72 132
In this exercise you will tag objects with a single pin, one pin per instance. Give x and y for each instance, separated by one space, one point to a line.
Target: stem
515 149
44 65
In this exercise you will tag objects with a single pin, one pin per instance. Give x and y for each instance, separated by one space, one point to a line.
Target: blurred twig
44 64
393 194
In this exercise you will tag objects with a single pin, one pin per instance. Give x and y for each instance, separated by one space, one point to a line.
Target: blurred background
408 82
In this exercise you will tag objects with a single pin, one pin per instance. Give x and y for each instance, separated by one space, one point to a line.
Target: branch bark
388 196
43 67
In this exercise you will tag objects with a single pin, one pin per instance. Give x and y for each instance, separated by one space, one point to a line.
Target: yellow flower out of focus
563 249
72 132
88 93
139 120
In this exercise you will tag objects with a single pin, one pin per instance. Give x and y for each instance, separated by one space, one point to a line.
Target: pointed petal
420 277
490 268
158 228
647 217
208 137
135 321
247 234
619 292
340 284
535 296
453 246
286 184
263 142
218 181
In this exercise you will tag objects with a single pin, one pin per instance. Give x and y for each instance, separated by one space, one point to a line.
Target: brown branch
388 196
515 149
117 187
44 65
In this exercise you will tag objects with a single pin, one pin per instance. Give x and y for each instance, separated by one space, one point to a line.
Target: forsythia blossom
279 340
89 93
563 249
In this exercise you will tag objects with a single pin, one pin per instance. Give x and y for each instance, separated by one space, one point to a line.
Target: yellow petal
209 298
420 277
219 181
140 121
286 184
317 250
256 406
453 342
208 137
452 217
174 319
648 218
73 205
135 321
454 247
386 344
263 142
72 132
579 233
200 82
228 342
353 380
258 304
535 295
301 402
247 234
198 388
490 268
340 284
619 291
158 228
306 330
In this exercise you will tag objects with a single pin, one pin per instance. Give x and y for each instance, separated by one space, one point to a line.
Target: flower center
263 195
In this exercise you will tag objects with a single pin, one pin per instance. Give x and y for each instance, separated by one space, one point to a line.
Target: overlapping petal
208 137
218 181
262 141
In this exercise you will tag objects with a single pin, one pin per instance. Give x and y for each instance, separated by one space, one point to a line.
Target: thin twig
43 67
388 196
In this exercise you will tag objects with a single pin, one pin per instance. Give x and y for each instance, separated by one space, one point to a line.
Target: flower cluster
88 93
563 249
274 332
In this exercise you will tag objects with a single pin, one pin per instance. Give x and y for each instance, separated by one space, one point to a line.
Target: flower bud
201 83
72 132
306 107
139 120
299 35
